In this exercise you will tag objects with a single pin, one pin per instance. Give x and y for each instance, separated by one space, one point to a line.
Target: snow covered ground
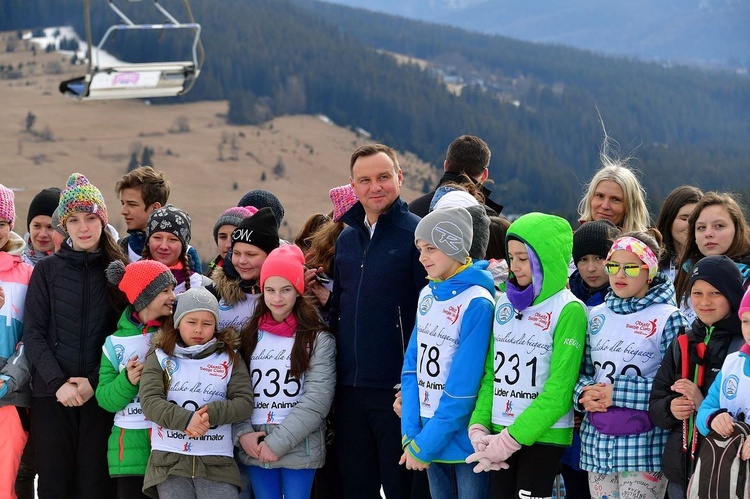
57 34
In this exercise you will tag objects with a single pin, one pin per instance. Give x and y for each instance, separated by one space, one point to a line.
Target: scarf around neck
287 328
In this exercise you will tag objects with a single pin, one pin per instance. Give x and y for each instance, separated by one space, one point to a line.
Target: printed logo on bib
120 353
504 313
223 305
729 387
647 329
220 371
426 400
596 323
541 320
508 412
170 365
452 313
426 304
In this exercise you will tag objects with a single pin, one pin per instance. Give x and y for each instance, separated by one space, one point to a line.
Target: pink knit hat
343 198
7 206
745 304
286 261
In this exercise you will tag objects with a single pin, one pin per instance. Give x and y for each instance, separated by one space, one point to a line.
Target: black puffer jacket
68 318
722 336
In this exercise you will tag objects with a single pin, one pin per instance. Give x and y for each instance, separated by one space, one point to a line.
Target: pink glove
498 449
476 433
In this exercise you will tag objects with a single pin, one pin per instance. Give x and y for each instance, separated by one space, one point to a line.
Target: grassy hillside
535 105
203 163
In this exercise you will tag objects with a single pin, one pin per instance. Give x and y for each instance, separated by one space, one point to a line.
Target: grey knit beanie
480 223
233 216
449 230
195 300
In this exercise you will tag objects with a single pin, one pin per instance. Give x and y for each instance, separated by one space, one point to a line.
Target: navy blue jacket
375 290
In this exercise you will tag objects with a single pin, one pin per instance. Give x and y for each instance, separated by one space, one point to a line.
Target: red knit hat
286 261
141 281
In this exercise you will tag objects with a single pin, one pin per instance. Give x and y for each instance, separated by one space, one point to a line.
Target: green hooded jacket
127 450
551 239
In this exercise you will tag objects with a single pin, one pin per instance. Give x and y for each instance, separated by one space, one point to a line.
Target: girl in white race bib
627 337
193 387
149 286
523 419
293 369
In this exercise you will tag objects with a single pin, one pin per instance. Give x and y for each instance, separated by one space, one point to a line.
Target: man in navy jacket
377 279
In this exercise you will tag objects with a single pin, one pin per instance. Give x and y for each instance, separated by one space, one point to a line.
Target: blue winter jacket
445 437
376 286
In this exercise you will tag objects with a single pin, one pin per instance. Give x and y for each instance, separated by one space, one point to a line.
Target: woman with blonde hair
615 194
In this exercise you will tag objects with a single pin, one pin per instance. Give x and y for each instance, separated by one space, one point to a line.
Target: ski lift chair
146 80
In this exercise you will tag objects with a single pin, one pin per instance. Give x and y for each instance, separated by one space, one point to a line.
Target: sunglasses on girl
630 269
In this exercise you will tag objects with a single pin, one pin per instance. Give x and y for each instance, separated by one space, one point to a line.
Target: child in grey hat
193 387
444 361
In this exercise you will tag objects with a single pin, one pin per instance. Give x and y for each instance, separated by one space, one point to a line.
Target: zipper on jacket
401 331
356 309
193 474
84 316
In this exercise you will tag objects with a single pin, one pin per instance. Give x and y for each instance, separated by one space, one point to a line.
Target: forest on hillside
540 115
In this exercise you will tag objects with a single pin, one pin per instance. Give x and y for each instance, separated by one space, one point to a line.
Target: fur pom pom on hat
170 219
141 281
81 195
233 216
7 206
195 300
343 198
264 199
449 229
286 261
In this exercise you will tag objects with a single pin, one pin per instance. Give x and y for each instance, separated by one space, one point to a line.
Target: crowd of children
537 350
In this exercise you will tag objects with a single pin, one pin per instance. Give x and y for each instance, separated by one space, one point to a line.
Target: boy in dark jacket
716 291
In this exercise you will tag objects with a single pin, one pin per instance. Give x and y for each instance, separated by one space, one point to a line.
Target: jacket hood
660 291
230 334
474 275
231 290
16 244
551 239
457 178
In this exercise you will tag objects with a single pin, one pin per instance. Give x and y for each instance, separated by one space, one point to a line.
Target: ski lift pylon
136 80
